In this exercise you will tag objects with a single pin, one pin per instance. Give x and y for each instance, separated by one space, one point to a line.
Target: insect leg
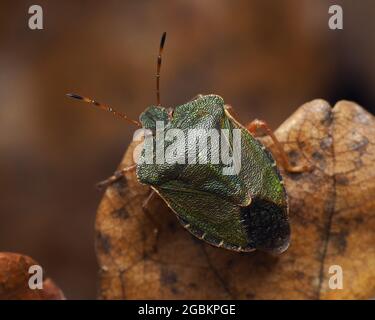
231 111
146 210
149 215
116 176
256 125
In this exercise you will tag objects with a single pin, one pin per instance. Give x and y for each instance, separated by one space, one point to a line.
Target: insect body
243 211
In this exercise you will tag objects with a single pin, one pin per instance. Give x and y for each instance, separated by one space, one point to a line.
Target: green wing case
240 212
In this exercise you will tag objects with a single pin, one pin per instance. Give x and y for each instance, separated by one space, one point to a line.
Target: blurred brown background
264 57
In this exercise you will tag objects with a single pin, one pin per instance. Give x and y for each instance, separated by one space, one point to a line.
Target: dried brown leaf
14 279
332 215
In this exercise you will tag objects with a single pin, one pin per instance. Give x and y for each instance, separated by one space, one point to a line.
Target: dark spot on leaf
175 290
328 119
339 239
299 275
358 163
193 285
293 156
168 277
121 213
146 255
359 146
294 176
326 143
359 220
121 186
317 156
103 242
230 263
172 226
341 179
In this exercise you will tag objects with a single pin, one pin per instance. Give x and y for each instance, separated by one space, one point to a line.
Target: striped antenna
162 41
105 108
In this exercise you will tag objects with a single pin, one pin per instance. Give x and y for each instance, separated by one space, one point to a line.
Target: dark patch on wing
267 225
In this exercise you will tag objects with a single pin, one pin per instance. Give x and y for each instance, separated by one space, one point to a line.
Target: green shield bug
243 210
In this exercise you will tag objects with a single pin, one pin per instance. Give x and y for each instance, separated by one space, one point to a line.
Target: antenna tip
75 96
163 39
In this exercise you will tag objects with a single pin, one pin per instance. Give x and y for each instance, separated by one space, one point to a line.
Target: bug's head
152 115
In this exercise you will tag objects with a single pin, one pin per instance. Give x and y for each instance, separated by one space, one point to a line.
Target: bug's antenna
162 41
105 108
